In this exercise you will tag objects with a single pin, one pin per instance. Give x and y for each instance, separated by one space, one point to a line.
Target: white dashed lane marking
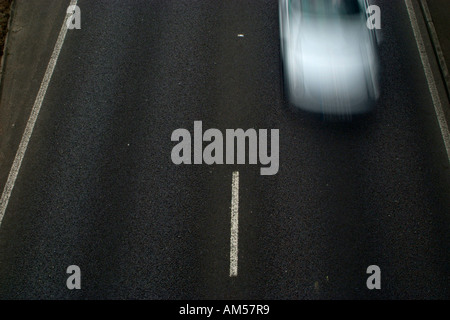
234 224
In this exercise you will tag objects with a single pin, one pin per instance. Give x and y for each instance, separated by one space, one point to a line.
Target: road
98 189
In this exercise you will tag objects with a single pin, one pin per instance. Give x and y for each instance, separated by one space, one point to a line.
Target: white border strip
234 224
436 43
430 78
14 171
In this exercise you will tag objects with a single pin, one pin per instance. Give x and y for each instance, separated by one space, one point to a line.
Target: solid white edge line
430 78
14 171
436 43
234 224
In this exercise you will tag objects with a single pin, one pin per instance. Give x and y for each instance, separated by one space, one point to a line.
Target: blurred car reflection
329 56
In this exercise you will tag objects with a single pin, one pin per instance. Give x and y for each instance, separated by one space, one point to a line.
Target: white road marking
14 171
234 224
436 43
430 78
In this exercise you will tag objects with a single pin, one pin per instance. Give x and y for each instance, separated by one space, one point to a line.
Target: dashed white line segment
234 224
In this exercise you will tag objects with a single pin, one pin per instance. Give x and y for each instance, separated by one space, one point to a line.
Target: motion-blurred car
329 56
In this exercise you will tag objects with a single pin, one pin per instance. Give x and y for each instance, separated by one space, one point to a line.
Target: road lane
98 189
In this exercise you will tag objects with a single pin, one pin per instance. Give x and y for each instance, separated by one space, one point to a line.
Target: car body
329 56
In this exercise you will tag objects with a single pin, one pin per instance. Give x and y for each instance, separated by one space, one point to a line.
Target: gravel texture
4 16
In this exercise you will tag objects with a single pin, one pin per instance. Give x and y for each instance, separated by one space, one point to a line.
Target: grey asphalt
98 189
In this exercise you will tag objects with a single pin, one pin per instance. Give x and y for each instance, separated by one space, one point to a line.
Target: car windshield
326 8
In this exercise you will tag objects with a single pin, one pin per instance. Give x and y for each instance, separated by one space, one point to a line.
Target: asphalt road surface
97 187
